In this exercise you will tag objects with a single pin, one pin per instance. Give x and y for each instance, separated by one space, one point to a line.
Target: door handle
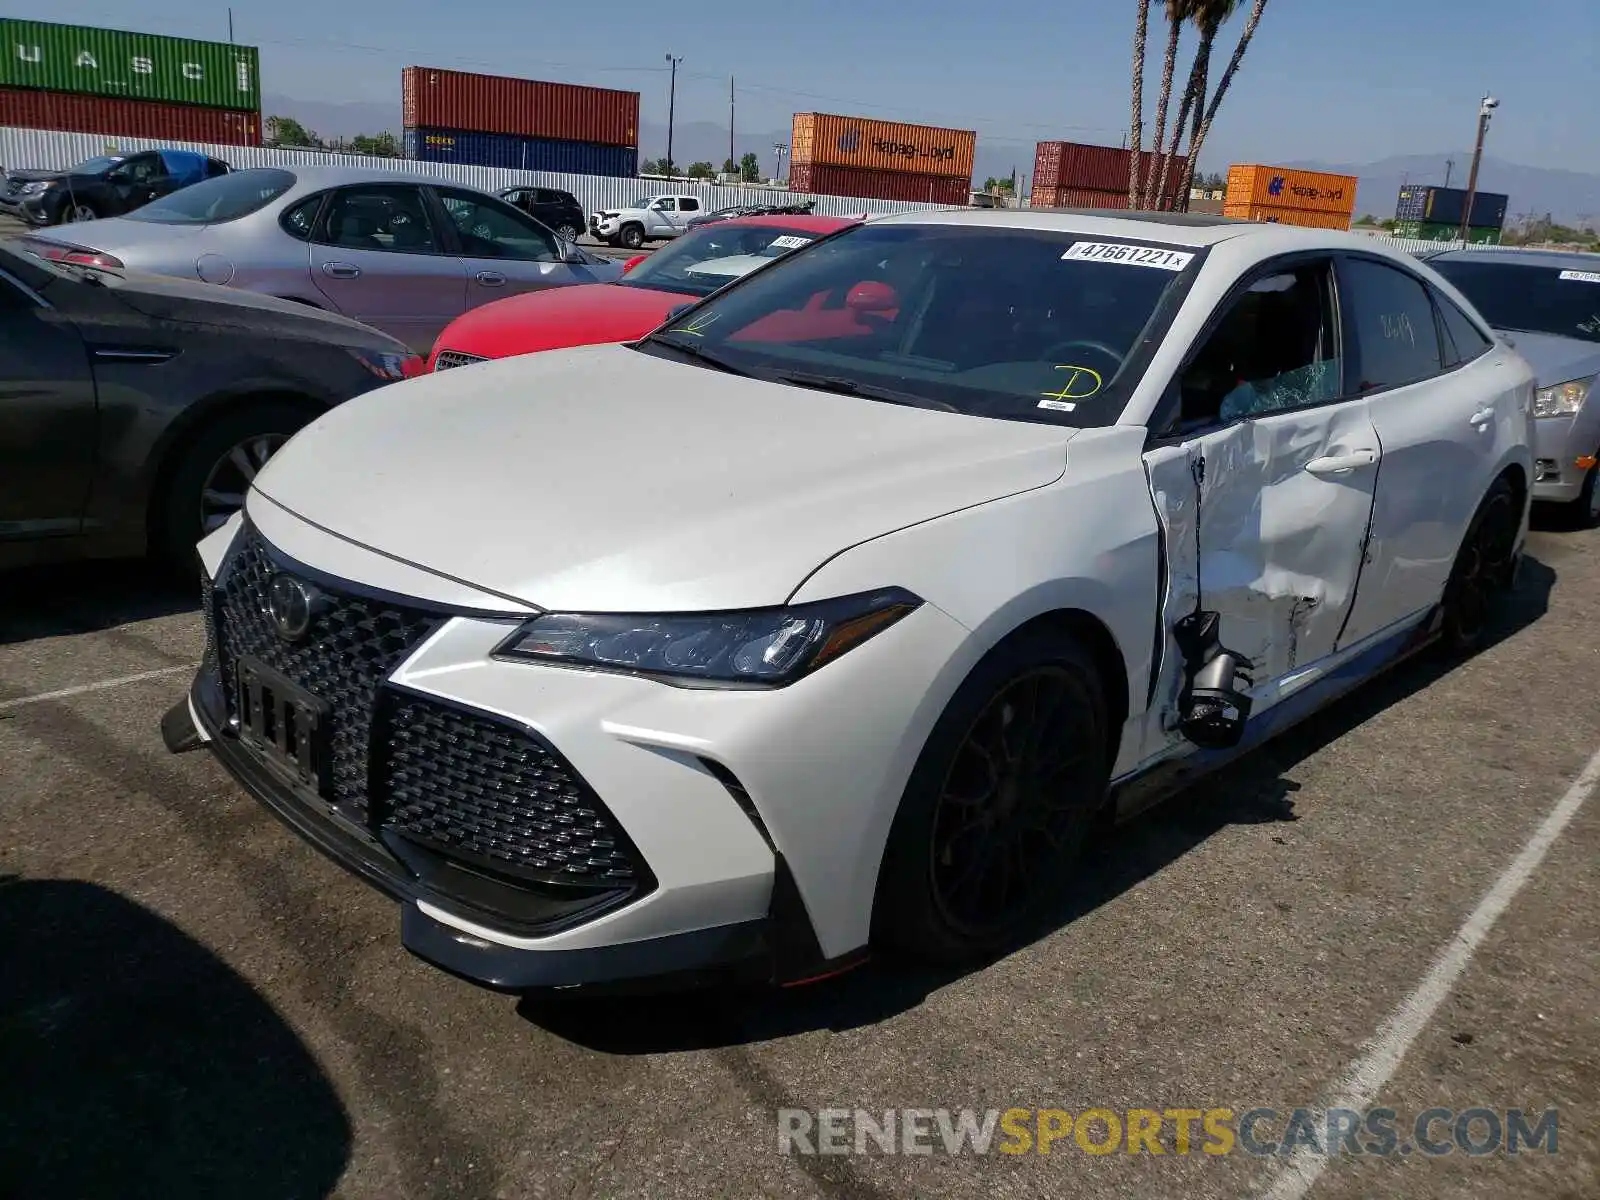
1342 464
490 278
341 270
1481 418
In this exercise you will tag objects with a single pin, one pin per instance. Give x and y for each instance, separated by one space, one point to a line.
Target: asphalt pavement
194 1003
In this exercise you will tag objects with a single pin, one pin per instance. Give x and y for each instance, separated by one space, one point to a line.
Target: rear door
379 255
48 419
1263 473
503 251
1447 417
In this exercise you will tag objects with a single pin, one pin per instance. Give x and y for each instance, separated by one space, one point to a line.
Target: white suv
650 219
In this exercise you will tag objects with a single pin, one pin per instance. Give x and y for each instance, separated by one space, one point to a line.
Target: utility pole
1485 111
230 27
731 157
672 108
1449 166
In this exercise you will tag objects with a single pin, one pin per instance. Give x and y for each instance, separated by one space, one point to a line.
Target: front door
504 251
48 420
1264 483
378 255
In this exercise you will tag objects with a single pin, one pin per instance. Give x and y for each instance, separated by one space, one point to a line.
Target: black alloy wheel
1011 805
1008 786
568 232
1483 569
632 237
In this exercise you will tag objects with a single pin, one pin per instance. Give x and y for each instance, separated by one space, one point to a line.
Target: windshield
225 198
1022 324
1533 298
700 262
95 165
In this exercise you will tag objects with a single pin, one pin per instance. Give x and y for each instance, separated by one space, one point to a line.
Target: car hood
1555 359
164 298
583 315
606 479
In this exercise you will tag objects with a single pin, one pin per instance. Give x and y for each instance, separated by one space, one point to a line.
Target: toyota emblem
290 604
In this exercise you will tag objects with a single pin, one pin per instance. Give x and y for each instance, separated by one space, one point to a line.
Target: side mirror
633 262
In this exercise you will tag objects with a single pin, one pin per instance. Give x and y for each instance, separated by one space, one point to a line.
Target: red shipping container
75 112
823 180
1069 197
1103 168
438 99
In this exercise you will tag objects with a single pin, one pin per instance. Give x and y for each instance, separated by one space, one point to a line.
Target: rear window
213 201
1533 298
700 262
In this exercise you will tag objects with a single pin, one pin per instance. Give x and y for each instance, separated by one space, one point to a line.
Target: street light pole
1485 112
672 108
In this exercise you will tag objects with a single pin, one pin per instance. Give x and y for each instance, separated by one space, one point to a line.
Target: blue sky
1349 83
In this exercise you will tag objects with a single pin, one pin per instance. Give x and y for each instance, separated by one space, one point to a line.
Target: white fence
46 150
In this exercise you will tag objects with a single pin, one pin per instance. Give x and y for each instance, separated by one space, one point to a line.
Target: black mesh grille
353 644
466 783
446 359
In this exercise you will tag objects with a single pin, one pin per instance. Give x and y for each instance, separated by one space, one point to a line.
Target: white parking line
40 698
1360 1085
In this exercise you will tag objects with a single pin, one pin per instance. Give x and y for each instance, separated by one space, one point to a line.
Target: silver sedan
1547 303
406 254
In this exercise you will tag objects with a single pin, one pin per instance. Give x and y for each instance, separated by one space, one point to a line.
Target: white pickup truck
650 219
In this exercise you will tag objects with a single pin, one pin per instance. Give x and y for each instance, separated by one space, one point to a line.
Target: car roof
332 176
1197 230
806 222
1518 257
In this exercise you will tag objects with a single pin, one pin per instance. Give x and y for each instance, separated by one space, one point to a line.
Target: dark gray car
1548 305
135 410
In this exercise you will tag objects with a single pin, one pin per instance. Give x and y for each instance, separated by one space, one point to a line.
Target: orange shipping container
1280 187
1307 218
827 140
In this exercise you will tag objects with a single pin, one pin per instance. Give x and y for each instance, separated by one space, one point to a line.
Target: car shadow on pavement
1255 790
134 1063
40 602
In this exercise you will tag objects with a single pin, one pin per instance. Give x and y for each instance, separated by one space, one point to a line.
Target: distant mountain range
1568 196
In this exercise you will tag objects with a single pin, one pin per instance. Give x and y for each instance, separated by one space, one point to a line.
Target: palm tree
1177 14
1253 20
1136 128
1208 17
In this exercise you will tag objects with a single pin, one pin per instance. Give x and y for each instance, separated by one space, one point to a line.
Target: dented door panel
1255 536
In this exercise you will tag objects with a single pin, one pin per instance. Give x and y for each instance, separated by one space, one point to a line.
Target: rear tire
997 807
631 237
568 232
213 470
1483 570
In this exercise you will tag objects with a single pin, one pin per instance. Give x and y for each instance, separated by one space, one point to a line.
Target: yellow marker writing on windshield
696 327
1081 383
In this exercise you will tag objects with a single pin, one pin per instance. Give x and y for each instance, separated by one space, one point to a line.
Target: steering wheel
1058 352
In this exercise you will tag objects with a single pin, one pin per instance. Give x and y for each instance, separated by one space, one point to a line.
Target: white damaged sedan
835 612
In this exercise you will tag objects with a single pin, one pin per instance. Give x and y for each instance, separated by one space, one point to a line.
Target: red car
688 268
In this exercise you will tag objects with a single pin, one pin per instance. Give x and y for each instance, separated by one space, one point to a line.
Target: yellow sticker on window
1079 384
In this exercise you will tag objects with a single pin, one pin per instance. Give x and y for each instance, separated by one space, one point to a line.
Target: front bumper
30 208
1564 449
760 817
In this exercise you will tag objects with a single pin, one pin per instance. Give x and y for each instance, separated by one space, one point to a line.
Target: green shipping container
135 66
1434 231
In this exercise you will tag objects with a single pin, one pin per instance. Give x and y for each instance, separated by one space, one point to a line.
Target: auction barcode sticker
790 242
1129 256
1582 276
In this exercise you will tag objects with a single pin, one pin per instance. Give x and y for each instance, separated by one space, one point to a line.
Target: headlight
1563 399
763 646
388 366
33 189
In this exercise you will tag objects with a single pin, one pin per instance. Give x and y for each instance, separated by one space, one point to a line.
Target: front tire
1584 510
631 237
213 471
568 233
73 212
1483 570
1006 789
